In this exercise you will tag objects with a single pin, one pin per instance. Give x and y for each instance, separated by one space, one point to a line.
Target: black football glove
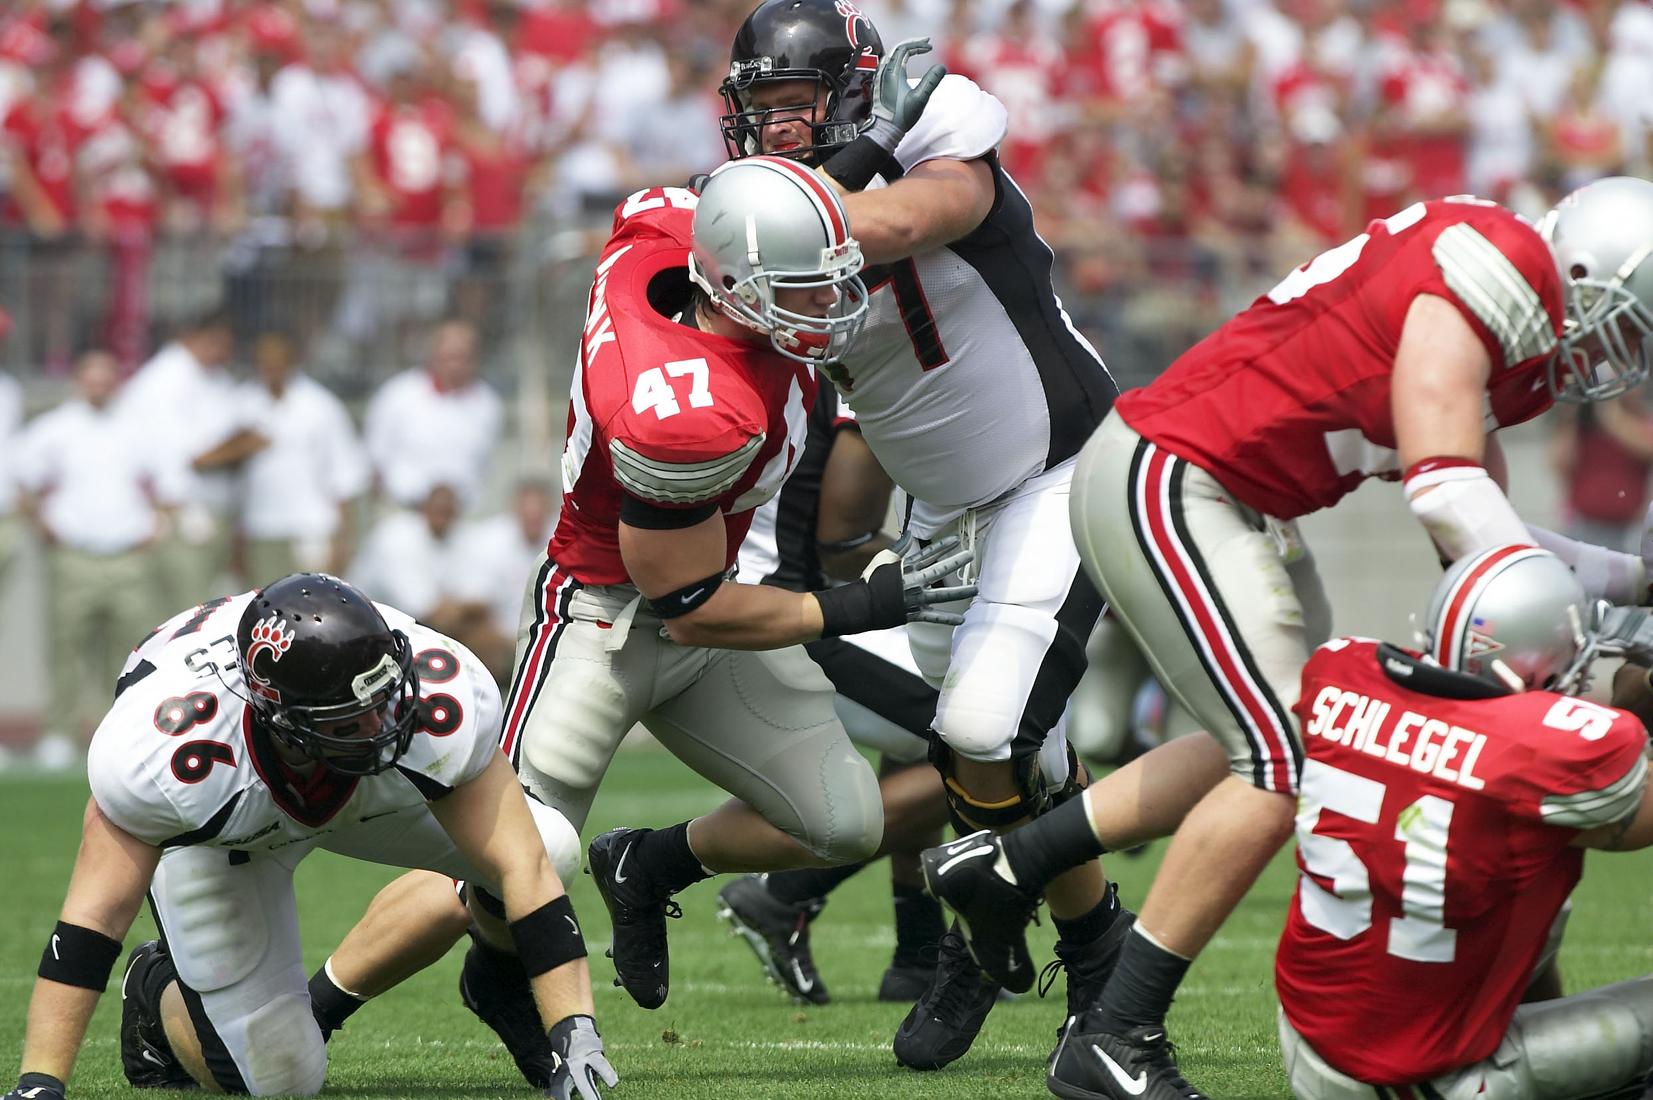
36 1086
581 1062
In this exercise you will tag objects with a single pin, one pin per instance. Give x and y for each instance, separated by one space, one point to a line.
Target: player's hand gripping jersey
1433 837
969 378
661 411
178 760
1288 404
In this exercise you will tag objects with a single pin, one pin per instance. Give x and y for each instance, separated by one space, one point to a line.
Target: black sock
808 883
332 1006
1059 841
1087 928
1140 991
666 858
918 926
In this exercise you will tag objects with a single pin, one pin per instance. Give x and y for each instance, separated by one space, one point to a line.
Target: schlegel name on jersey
661 410
1288 404
178 760
969 377
1435 831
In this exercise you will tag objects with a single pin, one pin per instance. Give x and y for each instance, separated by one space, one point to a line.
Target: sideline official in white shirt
89 480
308 466
436 424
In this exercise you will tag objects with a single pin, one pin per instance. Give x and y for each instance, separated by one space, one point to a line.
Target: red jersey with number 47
661 411
1434 836
1288 404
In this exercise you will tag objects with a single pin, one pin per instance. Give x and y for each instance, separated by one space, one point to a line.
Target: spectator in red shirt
403 175
1425 91
1581 141
182 118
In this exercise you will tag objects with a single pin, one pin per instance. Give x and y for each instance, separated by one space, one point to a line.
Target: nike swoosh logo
804 984
377 816
620 867
1136 1086
55 955
975 853
151 1056
690 597
571 923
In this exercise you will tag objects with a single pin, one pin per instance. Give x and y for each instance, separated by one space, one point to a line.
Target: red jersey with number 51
661 411
1288 404
1434 836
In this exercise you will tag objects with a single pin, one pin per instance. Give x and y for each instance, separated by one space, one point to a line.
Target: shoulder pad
961 122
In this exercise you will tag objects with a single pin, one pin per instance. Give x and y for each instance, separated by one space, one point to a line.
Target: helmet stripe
831 209
1455 612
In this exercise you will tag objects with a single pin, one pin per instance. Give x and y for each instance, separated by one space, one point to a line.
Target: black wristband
872 603
548 937
79 956
857 163
40 1081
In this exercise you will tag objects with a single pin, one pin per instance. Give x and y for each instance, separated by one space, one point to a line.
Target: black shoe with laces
944 1022
637 912
1088 965
778 934
146 1056
495 987
972 878
1140 1064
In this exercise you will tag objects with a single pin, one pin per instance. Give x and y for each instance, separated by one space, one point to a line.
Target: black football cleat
1089 965
904 984
637 912
944 1022
1140 1064
494 986
778 934
972 878
146 1056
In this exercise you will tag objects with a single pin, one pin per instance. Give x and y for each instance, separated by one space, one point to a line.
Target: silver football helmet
765 225
1514 616
1602 238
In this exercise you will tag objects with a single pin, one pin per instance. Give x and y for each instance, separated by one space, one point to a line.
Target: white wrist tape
1462 508
1610 575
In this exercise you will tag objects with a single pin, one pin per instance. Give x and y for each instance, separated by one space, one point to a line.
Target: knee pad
578 722
1034 795
285 1054
562 841
1591 1044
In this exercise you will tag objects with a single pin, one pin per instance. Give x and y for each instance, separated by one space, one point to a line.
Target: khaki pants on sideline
11 546
192 570
101 605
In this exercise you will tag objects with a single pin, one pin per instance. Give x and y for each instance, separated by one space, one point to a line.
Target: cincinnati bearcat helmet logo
269 635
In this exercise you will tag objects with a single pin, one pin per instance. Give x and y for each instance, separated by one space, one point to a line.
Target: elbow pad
1610 575
1462 508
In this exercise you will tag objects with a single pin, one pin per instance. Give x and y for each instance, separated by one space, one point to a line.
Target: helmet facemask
390 689
1604 347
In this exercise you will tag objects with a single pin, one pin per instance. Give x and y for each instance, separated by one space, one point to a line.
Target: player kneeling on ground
1445 801
246 733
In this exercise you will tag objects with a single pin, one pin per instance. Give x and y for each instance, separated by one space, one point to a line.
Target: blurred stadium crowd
303 155
362 205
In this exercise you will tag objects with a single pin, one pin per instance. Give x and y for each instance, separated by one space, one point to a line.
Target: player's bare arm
1454 476
935 204
668 565
489 821
112 872
855 496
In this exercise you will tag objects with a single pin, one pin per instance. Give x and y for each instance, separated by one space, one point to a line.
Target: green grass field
725 1032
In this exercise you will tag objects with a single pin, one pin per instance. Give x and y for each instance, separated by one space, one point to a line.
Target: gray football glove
1626 632
922 568
896 104
581 1062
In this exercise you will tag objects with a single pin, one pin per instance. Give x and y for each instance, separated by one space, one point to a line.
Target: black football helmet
828 41
317 652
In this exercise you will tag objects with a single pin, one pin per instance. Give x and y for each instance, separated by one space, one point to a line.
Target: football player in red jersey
705 324
1400 350
1445 802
